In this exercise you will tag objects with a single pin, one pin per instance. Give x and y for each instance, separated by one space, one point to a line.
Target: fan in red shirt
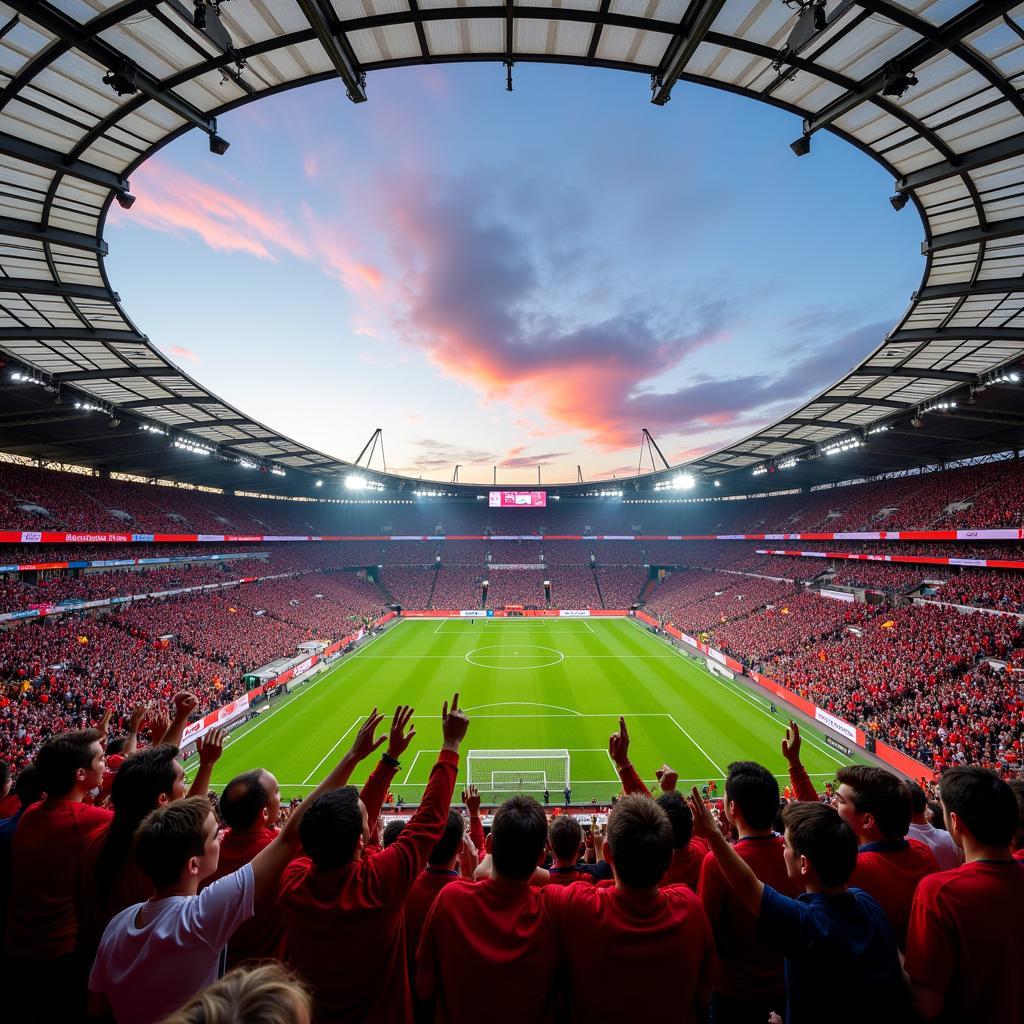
965 946
688 851
635 931
250 805
565 837
476 934
41 922
876 805
343 911
751 980
108 877
9 803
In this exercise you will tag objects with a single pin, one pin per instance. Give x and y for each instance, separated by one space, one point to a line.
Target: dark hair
451 838
518 835
135 791
565 835
982 802
392 830
331 828
28 787
938 818
1017 788
169 836
880 794
60 758
243 798
818 833
679 816
640 838
116 745
918 797
5 773
755 791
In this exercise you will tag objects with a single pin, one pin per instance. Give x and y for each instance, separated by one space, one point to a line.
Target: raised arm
618 751
268 864
375 790
184 704
798 777
471 798
209 747
747 886
131 743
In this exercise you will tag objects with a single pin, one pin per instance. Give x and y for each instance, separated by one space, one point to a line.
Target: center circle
522 655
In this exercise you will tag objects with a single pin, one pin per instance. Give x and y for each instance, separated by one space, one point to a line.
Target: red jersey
9 806
891 871
357 908
94 907
1019 854
748 967
631 939
262 936
686 864
48 841
421 898
488 945
965 939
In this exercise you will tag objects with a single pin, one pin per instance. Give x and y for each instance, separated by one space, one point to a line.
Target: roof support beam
57 236
71 334
695 25
58 23
115 373
157 403
884 403
952 32
43 156
1005 149
974 236
953 376
956 334
29 286
996 286
321 17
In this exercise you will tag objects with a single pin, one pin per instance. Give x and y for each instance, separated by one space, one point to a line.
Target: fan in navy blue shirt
565 837
829 930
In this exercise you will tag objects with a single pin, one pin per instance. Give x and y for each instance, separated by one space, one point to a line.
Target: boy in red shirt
636 930
488 947
751 979
565 837
876 805
343 911
965 946
41 922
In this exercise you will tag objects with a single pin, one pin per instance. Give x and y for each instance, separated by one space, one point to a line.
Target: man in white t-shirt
155 956
938 840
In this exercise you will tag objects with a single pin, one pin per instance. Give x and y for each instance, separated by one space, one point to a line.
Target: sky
513 280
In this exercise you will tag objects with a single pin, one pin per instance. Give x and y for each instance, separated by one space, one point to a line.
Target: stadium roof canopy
91 88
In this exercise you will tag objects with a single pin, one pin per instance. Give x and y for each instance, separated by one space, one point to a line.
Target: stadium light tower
354 482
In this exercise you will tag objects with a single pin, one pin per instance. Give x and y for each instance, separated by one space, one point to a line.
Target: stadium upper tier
926 89
989 496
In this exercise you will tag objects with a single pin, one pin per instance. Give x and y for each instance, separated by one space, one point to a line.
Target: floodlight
122 79
125 200
354 482
319 483
718 483
899 200
802 146
199 14
1014 377
218 145
897 82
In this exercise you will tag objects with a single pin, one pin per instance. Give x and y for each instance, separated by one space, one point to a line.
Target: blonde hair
267 994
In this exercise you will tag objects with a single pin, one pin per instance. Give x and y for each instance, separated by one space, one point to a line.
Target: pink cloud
184 353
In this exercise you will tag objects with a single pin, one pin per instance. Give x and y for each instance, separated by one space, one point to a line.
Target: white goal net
519 771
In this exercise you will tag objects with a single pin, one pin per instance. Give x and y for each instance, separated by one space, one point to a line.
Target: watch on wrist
391 762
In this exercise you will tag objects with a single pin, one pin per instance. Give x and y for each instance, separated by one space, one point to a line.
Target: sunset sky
513 279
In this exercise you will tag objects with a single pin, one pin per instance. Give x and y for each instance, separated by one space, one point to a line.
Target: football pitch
526 684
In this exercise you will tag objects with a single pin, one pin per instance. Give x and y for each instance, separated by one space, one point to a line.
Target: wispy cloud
184 353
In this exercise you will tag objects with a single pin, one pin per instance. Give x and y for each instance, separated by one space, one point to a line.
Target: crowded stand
620 586
458 586
573 588
894 579
409 586
522 587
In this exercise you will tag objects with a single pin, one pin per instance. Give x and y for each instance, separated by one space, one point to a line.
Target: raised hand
137 716
365 743
618 744
704 824
668 778
159 723
791 744
398 738
454 724
471 798
104 724
210 747
185 703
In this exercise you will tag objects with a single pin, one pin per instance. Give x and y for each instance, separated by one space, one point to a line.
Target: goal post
501 772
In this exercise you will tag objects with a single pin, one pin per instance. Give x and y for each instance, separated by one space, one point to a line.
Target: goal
518 771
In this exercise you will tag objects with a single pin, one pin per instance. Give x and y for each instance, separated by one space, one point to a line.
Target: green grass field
525 684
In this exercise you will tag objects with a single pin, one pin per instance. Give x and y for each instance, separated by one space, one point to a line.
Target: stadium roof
92 88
